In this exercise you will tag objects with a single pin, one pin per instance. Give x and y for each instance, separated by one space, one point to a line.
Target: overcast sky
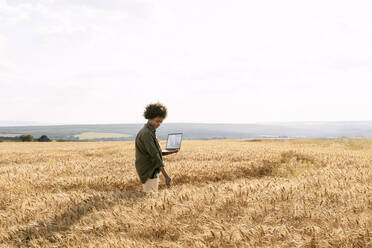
98 61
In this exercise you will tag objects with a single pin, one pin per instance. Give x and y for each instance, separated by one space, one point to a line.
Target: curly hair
155 110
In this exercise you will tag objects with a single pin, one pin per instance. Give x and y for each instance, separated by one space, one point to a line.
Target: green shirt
148 153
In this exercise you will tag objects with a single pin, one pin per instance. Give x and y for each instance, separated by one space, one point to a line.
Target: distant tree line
30 138
26 138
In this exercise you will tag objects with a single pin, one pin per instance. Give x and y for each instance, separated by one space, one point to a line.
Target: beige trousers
151 185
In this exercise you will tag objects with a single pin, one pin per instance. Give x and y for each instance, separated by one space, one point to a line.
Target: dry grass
295 193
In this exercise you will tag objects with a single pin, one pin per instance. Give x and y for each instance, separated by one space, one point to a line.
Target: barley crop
226 193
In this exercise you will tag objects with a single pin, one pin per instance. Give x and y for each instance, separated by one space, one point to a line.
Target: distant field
9 134
95 135
226 193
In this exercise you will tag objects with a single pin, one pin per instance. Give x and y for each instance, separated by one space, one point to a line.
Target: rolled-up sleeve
152 150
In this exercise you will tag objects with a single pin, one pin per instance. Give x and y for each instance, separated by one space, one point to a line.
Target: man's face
155 122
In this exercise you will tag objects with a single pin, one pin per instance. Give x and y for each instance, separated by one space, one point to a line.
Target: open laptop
173 142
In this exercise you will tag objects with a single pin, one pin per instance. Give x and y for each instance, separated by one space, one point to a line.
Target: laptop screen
174 141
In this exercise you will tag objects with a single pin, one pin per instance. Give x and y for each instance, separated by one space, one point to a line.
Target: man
149 155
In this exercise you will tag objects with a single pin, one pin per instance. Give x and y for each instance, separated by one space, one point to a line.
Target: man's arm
170 152
152 150
155 157
168 179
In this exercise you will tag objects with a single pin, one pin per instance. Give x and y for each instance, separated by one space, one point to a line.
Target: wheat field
226 193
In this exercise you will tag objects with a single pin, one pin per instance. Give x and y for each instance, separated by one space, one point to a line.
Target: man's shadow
72 215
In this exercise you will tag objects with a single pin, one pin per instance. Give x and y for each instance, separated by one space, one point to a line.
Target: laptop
173 142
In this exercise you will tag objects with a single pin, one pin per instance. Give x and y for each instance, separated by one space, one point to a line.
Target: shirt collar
150 127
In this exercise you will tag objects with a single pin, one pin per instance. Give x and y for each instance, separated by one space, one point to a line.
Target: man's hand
168 181
170 152
175 151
